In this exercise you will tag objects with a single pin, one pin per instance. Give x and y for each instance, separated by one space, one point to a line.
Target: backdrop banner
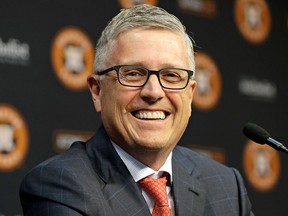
47 51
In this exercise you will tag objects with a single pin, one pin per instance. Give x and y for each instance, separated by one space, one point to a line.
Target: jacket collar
189 191
118 187
124 194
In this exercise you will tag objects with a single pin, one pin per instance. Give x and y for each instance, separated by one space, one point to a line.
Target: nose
152 91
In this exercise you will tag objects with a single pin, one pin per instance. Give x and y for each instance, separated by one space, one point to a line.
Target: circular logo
131 3
72 57
253 19
261 166
13 138
209 84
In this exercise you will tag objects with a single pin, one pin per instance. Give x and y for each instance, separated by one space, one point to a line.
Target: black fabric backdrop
49 108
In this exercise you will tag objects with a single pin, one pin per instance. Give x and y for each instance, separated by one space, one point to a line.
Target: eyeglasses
137 76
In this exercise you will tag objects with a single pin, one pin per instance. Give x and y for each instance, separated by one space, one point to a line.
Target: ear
94 85
193 87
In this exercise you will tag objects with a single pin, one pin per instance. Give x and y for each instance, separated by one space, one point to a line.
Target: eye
133 74
171 75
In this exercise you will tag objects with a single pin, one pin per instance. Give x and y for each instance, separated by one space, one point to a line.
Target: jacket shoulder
189 159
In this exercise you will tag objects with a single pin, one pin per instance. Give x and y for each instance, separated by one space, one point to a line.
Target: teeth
150 115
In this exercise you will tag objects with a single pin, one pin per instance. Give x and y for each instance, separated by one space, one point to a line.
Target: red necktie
156 188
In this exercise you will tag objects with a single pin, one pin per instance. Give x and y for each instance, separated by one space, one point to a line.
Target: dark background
48 106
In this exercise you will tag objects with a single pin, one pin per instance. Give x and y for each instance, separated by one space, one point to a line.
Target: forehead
150 45
137 36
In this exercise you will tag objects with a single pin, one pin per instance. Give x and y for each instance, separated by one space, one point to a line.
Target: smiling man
143 86
146 116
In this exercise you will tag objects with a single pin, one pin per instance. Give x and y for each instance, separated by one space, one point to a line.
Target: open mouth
150 115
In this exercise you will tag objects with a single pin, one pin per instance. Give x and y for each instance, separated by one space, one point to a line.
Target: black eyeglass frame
156 72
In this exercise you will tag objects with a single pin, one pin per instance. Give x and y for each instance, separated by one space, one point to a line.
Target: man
143 86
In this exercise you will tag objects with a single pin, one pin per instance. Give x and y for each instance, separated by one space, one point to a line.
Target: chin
152 146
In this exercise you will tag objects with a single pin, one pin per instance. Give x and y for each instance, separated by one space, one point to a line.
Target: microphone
261 136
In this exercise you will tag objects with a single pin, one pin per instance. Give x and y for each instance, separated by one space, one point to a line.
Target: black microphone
261 136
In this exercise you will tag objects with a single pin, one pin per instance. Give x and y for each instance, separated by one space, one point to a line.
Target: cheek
115 100
188 107
186 104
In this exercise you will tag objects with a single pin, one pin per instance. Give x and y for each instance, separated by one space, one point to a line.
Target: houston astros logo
261 166
72 57
13 138
253 19
209 83
131 3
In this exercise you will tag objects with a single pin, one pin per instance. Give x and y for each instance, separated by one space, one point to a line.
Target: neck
154 160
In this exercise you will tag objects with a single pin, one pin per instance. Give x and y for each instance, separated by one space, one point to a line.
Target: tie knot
156 188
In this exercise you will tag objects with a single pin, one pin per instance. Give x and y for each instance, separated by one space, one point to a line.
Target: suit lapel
189 192
124 196
120 191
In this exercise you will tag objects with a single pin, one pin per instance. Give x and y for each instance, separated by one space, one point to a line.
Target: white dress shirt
139 171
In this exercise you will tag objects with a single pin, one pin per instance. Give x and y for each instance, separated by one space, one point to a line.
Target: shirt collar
139 170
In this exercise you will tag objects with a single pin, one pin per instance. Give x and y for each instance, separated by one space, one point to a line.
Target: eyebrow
162 66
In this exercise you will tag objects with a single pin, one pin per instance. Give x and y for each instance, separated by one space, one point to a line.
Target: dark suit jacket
91 179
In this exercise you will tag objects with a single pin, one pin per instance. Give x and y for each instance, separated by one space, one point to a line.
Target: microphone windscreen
256 133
